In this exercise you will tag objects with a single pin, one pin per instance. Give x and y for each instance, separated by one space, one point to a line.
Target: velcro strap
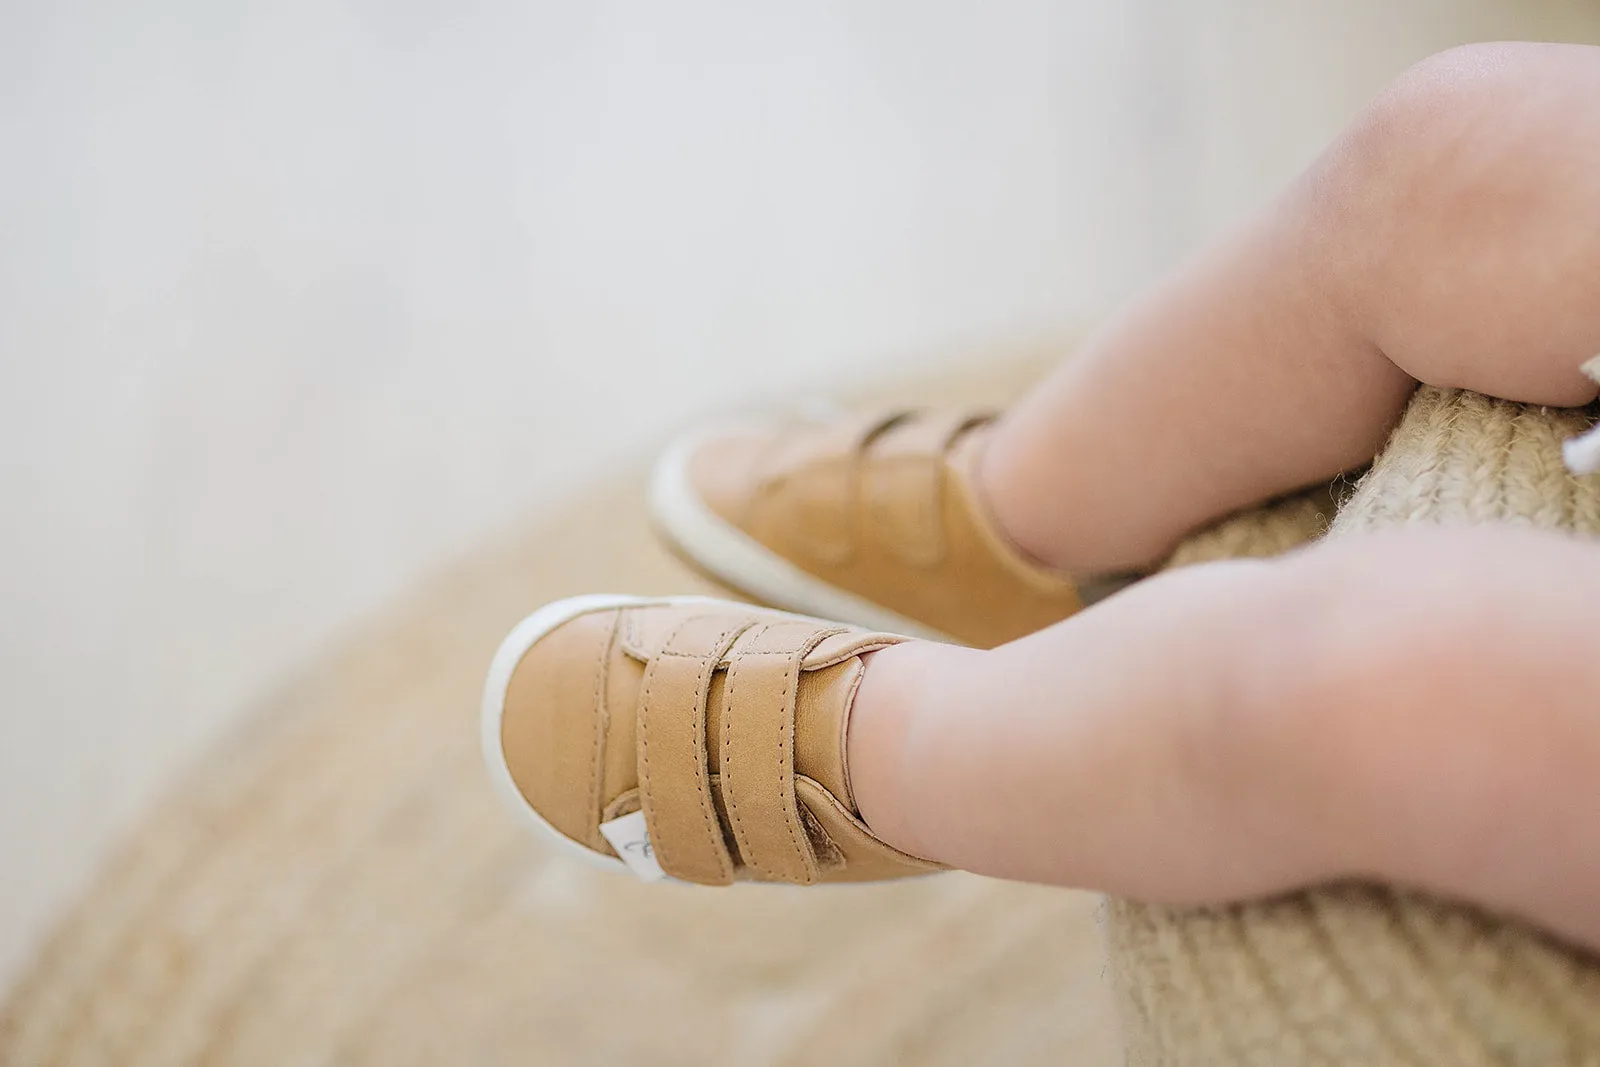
814 473
837 438
902 485
757 759
674 782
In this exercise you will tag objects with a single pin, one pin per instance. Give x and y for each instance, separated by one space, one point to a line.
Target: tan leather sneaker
693 738
875 519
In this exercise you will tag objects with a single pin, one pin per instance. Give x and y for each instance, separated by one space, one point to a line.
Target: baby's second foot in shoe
874 519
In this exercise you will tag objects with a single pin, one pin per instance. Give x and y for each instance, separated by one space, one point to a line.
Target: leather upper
724 723
887 508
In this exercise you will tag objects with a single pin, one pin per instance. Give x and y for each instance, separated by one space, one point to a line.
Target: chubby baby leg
1414 707
1451 236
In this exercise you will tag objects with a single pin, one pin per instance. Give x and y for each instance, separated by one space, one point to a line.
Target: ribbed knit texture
1368 975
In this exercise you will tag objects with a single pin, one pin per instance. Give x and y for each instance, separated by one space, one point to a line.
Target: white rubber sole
521 638
749 566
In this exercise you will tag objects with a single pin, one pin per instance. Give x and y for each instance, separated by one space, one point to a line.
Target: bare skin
1451 236
1416 707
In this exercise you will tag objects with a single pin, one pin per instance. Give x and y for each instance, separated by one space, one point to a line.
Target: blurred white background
299 300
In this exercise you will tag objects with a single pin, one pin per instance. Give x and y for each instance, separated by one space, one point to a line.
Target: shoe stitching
708 666
795 656
728 793
786 727
646 783
708 816
786 742
603 713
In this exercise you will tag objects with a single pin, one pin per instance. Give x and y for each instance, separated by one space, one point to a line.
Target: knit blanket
1372 974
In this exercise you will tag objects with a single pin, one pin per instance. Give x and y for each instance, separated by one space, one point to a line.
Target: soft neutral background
299 300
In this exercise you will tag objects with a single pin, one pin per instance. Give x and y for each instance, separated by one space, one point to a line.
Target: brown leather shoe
696 738
875 519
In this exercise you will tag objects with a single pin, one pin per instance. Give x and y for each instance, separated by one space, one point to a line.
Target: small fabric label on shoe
632 842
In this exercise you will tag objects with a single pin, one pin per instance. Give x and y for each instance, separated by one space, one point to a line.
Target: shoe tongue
820 716
822 704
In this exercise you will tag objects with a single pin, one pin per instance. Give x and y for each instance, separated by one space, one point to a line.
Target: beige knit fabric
1365 975
337 887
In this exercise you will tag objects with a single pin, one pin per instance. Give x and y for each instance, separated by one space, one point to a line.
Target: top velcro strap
902 485
757 757
813 475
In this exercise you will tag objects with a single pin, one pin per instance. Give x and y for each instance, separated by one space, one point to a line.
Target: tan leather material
555 759
902 488
812 485
642 635
674 779
758 743
885 507
866 859
819 749
843 645
723 722
620 744
624 803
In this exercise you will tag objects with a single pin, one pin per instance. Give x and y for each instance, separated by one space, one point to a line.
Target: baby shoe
687 738
876 519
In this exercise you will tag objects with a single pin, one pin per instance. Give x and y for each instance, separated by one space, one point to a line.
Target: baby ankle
876 741
1013 497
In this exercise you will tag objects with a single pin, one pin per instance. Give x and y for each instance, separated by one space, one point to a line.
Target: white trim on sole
516 645
749 566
